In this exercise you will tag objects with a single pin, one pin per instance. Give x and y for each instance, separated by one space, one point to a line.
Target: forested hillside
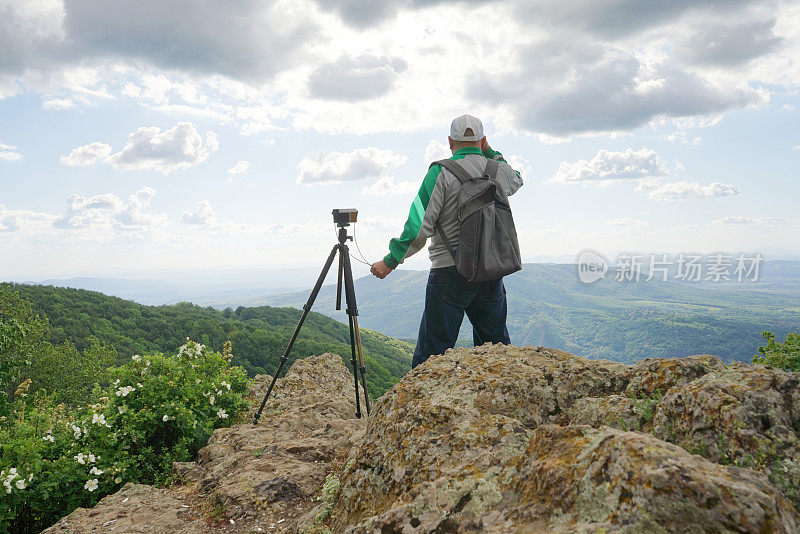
258 335
549 306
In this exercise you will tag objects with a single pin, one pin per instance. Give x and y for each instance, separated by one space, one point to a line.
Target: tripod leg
352 311
306 309
355 365
339 285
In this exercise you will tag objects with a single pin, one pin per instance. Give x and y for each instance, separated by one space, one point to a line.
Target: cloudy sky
146 135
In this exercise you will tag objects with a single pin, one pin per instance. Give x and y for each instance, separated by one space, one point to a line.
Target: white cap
460 125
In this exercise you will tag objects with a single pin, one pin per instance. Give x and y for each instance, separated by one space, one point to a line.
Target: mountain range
620 321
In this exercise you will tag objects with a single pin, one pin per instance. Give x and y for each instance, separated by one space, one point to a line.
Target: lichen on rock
490 439
504 439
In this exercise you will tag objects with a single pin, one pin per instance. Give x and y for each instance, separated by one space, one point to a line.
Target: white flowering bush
157 410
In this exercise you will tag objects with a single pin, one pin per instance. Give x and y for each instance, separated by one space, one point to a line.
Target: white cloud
683 138
738 220
673 191
9 153
352 79
387 186
178 148
202 215
87 154
643 167
625 221
337 167
609 166
107 212
436 151
58 103
519 164
15 221
796 147
148 148
240 167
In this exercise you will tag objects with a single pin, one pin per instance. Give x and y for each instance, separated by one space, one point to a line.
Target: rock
274 470
135 508
747 415
495 439
647 376
481 440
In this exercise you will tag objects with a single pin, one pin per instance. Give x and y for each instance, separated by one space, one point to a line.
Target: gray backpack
487 240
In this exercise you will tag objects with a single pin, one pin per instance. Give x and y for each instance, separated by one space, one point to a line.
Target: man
449 295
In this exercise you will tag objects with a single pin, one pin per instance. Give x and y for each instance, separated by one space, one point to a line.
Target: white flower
80 458
99 419
194 424
91 457
117 480
226 385
138 385
77 431
95 471
123 408
124 390
165 418
222 414
116 381
12 471
136 357
7 484
49 438
21 483
90 485
211 399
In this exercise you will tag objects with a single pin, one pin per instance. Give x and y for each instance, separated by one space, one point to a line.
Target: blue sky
148 136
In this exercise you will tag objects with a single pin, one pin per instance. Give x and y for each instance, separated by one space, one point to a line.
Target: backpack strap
444 238
489 173
459 171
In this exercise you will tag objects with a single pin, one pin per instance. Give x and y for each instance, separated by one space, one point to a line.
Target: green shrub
156 410
784 355
22 335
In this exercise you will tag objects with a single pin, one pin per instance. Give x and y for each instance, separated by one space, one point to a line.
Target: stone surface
481 440
494 439
136 508
273 471
746 415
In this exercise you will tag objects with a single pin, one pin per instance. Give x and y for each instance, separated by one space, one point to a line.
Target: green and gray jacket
436 201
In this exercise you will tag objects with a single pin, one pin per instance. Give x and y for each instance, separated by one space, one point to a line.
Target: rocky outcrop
497 439
273 472
489 439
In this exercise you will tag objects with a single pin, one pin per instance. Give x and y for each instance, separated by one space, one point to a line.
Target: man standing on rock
448 294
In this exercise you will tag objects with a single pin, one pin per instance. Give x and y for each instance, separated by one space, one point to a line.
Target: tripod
352 315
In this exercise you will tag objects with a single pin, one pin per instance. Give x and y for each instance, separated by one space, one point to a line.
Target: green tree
23 334
784 355
69 374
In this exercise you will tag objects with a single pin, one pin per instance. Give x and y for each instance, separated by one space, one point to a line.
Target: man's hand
380 269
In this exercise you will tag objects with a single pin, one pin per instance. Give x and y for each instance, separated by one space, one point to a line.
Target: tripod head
343 236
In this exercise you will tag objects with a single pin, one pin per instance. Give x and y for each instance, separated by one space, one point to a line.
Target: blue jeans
447 297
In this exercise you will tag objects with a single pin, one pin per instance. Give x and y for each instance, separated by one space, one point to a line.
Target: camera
343 217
